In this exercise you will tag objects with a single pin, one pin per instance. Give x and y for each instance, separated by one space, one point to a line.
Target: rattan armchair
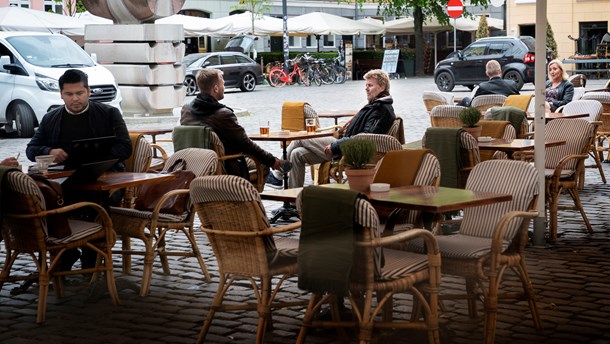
234 219
370 280
433 99
139 161
446 116
486 101
152 226
24 230
491 240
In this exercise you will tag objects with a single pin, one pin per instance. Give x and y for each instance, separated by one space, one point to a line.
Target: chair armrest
333 127
565 160
161 150
269 231
502 225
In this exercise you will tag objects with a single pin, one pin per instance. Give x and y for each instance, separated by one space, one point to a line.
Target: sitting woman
559 91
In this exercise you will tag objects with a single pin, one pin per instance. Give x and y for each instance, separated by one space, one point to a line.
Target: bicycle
279 78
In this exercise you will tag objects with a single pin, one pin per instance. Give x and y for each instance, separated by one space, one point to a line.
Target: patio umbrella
407 25
319 23
242 23
193 26
24 19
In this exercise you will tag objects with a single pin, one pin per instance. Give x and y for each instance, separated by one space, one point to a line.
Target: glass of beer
310 125
264 127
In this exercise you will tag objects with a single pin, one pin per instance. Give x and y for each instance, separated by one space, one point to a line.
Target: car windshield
189 59
63 52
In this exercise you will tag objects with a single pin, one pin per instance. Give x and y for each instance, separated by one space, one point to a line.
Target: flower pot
360 180
474 131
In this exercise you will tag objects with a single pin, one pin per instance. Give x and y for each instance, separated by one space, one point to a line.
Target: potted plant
470 117
358 156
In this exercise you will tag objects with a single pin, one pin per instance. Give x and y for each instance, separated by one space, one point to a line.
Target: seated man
376 118
206 110
495 85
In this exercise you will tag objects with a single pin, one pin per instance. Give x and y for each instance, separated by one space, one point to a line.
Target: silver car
239 70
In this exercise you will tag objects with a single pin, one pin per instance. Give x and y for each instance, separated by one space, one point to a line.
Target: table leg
154 141
285 211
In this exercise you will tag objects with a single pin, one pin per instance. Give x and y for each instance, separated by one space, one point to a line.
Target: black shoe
286 166
274 182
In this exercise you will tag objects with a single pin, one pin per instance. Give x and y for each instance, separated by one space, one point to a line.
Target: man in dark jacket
206 110
376 118
80 118
495 84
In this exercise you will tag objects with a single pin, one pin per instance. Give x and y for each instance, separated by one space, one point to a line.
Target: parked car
467 67
239 70
30 66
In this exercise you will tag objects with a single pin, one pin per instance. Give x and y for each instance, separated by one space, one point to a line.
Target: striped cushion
217 144
383 143
141 214
433 99
516 178
200 161
465 246
142 155
401 263
446 111
484 102
79 230
576 133
602 97
592 107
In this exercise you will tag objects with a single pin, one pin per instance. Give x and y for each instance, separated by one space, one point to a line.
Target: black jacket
497 85
376 117
565 93
104 120
206 110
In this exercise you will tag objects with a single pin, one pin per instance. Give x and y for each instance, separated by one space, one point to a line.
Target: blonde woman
559 91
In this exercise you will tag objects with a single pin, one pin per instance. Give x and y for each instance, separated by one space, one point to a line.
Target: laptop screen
89 150
88 172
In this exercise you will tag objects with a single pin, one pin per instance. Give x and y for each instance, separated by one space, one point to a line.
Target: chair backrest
446 116
200 161
191 136
517 178
398 130
394 165
465 160
141 154
383 143
217 196
578 80
602 97
521 101
294 115
486 101
432 99
516 116
499 130
592 107
576 132
21 196
578 93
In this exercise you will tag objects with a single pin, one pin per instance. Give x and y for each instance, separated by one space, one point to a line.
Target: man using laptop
80 119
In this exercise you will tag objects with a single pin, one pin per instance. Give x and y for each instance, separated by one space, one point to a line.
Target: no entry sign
455 8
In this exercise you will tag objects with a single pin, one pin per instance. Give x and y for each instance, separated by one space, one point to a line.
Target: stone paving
569 275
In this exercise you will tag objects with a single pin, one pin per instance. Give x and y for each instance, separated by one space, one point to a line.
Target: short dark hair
73 76
207 78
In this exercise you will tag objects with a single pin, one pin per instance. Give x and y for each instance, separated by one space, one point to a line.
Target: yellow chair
521 101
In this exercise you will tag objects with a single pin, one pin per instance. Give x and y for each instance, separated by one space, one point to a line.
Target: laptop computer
88 172
88 150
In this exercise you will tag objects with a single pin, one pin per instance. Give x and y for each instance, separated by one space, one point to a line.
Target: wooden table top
119 180
152 131
556 115
337 113
515 145
430 199
292 135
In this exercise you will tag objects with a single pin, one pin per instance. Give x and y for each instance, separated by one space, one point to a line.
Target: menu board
390 60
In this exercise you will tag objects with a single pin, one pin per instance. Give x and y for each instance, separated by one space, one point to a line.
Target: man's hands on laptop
59 154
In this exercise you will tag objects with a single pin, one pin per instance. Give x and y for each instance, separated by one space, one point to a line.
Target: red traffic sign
455 8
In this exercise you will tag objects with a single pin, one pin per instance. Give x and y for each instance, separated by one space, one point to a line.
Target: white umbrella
23 19
242 23
407 25
372 21
319 23
89 18
193 26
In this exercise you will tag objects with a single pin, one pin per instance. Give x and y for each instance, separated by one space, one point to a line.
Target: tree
421 10
256 7
71 7
550 40
483 29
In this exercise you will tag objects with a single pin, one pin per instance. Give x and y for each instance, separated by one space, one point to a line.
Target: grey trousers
302 152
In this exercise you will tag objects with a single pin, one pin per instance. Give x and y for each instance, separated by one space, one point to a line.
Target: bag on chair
151 193
57 225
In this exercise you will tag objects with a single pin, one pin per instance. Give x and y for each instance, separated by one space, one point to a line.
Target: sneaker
274 182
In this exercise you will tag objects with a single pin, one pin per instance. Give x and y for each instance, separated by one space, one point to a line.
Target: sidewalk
571 277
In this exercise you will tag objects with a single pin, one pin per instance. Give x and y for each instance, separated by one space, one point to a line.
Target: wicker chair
492 238
521 101
432 99
578 80
499 130
151 227
486 101
594 109
446 116
402 272
24 230
244 246
564 165
139 161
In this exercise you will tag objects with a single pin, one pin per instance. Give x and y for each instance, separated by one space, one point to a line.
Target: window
311 41
476 49
498 48
19 3
213 60
329 41
241 59
229 59
294 42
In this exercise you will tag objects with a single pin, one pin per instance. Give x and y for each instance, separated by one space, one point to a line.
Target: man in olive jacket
205 109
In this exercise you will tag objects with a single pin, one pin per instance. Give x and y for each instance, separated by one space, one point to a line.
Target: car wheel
24 119
516 77
248 82
191 86
444 81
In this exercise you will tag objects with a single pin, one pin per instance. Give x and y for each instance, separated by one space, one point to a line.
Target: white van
30 66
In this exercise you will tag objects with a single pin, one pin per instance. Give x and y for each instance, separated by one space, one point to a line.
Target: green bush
470 116
358 153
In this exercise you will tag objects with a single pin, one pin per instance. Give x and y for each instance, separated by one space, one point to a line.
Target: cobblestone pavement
570 275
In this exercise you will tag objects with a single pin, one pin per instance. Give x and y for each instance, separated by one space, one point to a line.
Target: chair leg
126 246
530 293
110 282
310 312
598 163
578 203
160 249
43 291
216 304
471 292
491 309
190 234
149 257
554 198
264 310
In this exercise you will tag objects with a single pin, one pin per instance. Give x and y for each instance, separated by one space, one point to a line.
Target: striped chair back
432 99
446 116
602 97
383 143
576 132
486 101
141 154
592 107
200 161
398 130
517 178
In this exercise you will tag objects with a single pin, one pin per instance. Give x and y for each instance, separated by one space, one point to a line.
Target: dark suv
467 67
